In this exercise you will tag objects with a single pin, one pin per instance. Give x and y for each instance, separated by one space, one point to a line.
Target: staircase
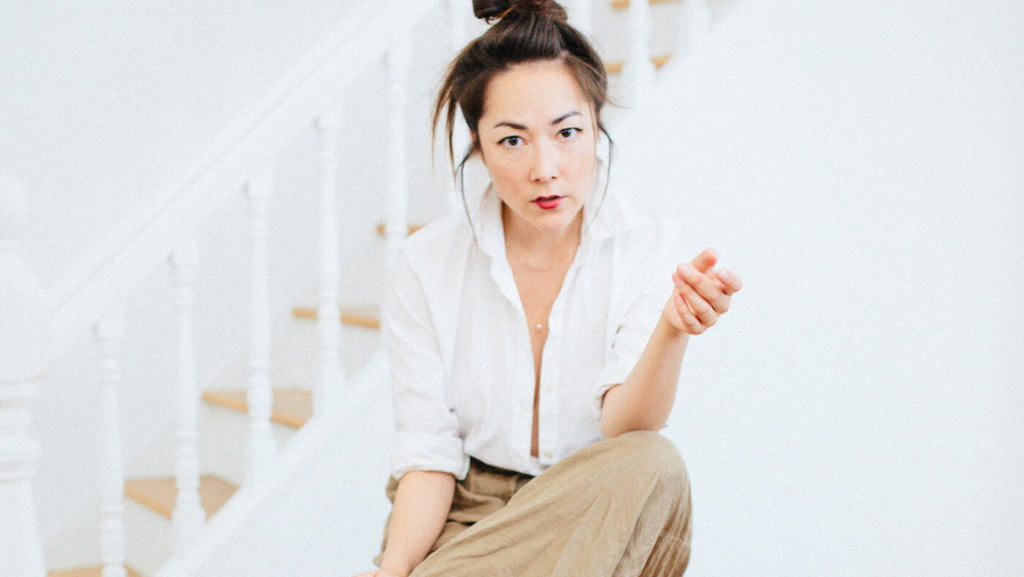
241 433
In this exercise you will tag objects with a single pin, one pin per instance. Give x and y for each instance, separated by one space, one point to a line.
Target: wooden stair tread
87 572
160 495
291 407
382 228
616 67
623 4
366 317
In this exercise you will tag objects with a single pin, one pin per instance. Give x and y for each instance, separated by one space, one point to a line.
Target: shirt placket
548 433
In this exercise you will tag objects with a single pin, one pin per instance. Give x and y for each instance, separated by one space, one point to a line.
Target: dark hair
526 31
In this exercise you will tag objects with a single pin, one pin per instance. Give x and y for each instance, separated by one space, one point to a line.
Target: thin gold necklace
560 262
540 322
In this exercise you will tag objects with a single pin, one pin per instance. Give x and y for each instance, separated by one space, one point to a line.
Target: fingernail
685 270
723 274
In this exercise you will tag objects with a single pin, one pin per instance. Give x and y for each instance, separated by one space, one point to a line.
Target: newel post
25 324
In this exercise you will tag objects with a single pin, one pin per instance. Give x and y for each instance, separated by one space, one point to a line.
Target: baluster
581 16
459 11
188 517
639 70
397 228
24 324
109 332
260 395
332 374
698 23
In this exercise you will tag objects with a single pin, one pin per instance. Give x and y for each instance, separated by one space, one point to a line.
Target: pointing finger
707 288
705 261
731 282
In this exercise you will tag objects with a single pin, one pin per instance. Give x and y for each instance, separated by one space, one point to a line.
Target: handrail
270 123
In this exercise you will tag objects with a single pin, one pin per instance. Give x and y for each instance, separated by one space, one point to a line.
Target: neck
526 239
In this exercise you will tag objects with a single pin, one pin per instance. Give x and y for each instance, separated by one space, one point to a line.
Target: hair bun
490 10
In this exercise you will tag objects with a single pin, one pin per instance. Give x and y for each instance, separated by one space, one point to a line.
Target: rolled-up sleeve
642 315
428 437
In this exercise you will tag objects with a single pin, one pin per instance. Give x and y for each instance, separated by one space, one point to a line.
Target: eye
512 141
568 132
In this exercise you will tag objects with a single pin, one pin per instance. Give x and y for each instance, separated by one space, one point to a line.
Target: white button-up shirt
459 347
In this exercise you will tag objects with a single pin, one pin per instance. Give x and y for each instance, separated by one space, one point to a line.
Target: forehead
541 90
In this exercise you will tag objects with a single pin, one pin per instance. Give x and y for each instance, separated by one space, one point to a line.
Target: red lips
549 202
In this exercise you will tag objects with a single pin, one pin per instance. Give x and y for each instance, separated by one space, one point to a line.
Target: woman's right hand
379 573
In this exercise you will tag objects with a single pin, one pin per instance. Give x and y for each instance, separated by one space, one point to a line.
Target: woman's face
537 139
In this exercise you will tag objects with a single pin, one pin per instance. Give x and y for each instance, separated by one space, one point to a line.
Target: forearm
644 400
421 508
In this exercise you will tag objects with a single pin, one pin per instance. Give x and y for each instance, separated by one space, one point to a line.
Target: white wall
860 411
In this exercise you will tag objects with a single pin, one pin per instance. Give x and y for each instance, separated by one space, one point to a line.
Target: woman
534 355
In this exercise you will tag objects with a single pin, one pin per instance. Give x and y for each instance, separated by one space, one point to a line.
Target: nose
545 162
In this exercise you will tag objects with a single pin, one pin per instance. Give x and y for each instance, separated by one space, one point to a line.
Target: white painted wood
312 444
639 70
24 320
697 24
581 16
260 396
460 13
145 240
109 333
188 517
331 376
397 228
149 542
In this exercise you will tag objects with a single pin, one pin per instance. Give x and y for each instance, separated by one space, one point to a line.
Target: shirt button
555 325
549 388
548 454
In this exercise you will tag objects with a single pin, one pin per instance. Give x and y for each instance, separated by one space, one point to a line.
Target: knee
646 450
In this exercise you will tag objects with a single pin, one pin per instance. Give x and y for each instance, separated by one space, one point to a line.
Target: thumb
705 261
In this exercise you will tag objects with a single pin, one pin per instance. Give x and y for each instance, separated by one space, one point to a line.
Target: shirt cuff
429 453
614 373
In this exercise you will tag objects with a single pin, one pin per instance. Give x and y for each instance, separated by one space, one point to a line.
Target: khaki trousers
618 508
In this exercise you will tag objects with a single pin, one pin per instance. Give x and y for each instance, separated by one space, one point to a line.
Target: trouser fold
618 508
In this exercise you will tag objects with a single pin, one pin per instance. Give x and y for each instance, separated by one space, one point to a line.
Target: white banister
145 240
260 395
639 70
188 517
398 60
24 325
109 333
581 16
332 375
698 22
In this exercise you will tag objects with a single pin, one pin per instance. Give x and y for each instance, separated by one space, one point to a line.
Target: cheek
505 171
580 164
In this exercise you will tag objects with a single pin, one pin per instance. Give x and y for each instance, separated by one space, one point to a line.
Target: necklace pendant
539 326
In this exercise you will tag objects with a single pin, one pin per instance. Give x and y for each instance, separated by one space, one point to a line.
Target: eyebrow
515 126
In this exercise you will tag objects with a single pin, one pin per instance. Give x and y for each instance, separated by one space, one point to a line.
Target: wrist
395 567
669 324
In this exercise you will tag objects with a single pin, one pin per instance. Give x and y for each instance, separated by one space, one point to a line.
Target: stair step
382 228
88 572
161 494
292 407
616 67
623 4
366 317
